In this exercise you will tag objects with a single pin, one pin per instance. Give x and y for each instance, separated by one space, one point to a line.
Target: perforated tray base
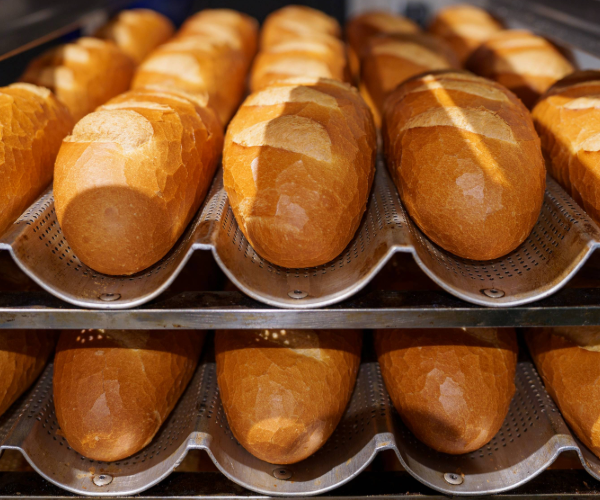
563 238
532 437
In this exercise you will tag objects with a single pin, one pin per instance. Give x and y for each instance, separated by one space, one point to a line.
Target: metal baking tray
562 240
532 437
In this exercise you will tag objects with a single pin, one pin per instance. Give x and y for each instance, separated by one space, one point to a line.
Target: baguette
464 27
362 28
524 63
567 119
23 355
298 164
567 359
113 389
132 175
318 56
284 391
137 32
33 124
451 387
83 74
209 55
389 60
296 21
466 159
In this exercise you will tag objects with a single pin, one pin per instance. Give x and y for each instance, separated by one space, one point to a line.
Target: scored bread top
523 62
295 21
132 175
389 60
298 166
464 27
83 74
467 162
137 32
567 118
33 123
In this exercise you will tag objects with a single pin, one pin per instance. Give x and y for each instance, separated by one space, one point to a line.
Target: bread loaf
389 60
33 124
467 162
113 389
211 54
284 391
132 175
83 74
362 28
318 56
451 387
298 164
567 119
521 61
137 32
567 359
23 355
464 27
296 21
239 29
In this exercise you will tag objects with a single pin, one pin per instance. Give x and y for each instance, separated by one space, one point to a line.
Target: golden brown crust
567 359
33 124
113 389
567 119
464 27
452 387
362 28
466 159
523 62
23 355
137 32
210 55
284 391
298 164
389 60
83 74
294 21
132 175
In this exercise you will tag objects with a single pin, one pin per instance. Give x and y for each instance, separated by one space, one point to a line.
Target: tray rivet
102 480
109 297
282 473
452 478
493 293
297 294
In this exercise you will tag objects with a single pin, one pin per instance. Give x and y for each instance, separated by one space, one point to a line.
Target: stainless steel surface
562 240
532 437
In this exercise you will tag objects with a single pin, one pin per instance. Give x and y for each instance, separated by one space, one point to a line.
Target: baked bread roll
83 74
238 29
298 164
23 355
464 27
211 54
567 119
390 60
452 387
525 63
296 21
362 28
467 162
132 175
113 389
33 124
318 56
567 359
137 32
284 391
